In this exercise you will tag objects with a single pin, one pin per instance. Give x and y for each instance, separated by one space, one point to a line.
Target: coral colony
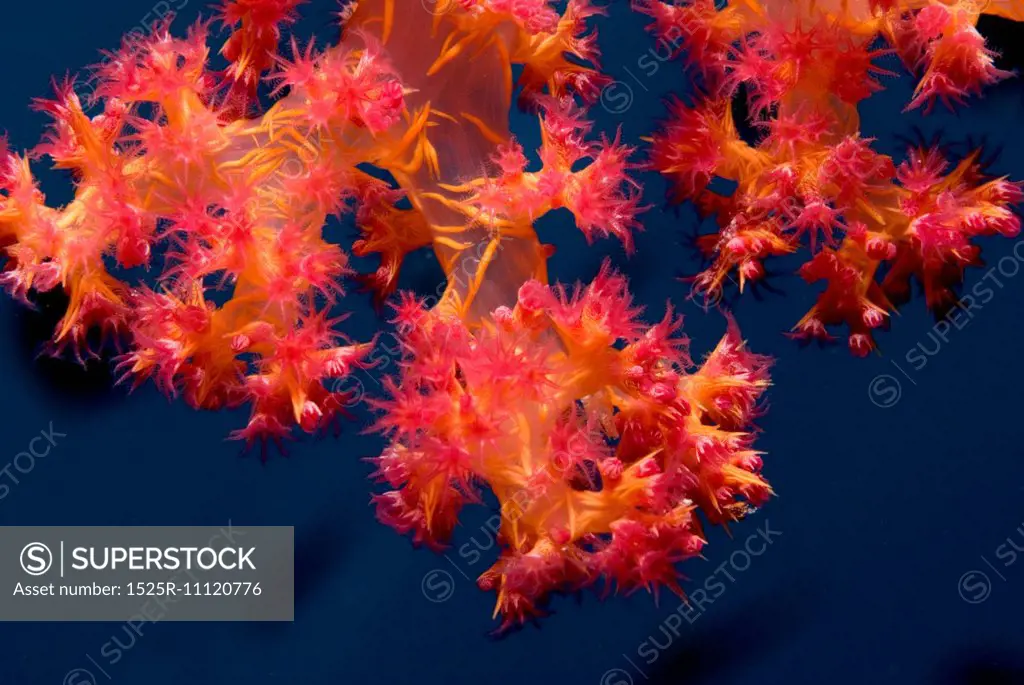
598 435
812 182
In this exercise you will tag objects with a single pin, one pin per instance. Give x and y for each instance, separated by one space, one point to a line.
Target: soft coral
805 67
585 425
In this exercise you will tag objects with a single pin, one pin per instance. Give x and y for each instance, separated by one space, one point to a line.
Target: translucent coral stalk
466 175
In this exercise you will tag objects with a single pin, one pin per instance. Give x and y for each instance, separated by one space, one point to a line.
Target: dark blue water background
880 511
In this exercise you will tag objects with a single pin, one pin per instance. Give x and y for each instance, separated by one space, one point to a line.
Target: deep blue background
881 510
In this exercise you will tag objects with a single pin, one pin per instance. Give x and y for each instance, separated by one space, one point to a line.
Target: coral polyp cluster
232 204
595 432
179 169
812 181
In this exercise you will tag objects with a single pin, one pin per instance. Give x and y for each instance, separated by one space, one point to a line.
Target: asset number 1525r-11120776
214 589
